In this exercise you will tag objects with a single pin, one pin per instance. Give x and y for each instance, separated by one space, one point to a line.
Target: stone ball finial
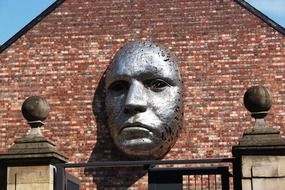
35 108
257 100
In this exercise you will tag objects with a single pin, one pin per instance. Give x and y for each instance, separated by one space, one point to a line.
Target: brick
223 49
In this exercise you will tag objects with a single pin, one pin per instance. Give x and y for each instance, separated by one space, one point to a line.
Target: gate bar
60 178
144 163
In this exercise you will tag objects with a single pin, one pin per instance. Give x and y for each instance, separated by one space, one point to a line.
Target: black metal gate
72 183
189 178
214 176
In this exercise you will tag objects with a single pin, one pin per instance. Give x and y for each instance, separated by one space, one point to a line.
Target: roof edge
30 25
262 16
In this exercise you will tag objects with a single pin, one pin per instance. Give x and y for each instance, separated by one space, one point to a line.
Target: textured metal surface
144 100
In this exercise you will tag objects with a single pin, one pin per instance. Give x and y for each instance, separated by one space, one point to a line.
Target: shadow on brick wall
104 150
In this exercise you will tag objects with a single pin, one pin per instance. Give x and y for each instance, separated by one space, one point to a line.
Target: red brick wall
222 47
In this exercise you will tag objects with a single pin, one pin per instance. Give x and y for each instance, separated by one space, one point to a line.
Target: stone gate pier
260 154
29 163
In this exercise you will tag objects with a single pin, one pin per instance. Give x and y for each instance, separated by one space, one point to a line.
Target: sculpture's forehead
143 62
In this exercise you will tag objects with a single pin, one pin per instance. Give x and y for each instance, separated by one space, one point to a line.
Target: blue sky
274 9
15 14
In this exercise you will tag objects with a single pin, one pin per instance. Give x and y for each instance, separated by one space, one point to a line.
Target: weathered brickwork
223 50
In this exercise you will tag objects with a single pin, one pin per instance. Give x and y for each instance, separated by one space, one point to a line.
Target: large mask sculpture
144 100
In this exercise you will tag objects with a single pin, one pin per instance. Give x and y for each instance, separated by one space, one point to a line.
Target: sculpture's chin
141 148
145 142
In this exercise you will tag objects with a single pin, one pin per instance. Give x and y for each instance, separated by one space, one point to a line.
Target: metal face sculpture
144 100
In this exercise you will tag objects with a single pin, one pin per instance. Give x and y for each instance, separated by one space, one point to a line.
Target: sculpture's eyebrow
151 75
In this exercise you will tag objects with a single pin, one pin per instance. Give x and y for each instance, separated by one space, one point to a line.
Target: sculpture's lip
136 125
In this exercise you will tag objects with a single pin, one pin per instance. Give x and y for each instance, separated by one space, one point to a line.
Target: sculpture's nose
136 98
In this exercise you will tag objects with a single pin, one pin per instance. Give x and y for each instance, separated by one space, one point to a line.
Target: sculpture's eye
156 84
119 86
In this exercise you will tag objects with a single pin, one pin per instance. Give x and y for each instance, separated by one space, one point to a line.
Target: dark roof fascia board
262 16
30 25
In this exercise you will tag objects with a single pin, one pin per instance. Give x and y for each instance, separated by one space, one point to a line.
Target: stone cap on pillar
34 148
259 140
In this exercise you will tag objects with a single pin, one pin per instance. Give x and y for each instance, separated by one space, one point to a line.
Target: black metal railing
207 174
198 178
